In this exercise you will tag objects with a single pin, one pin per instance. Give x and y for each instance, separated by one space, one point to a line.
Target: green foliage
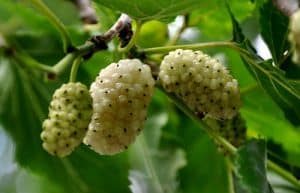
148 9
285 93
173 154
251 170
208 16
273 22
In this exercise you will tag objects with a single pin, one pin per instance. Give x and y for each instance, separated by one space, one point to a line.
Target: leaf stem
227 44
133 38
30 62
67 44
283 173
74 69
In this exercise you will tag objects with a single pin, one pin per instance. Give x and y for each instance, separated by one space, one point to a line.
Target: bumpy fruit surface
234 130
121 94
70 112
294 35
202 82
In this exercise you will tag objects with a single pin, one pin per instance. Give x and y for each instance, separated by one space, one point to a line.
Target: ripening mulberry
202 82
233 130
294 36
70 112
121 94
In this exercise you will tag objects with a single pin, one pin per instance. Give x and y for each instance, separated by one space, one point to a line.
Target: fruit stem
74 69
67 44
164 49
133 38
232 150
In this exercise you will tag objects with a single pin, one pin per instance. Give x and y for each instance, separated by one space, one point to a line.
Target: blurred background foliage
181 155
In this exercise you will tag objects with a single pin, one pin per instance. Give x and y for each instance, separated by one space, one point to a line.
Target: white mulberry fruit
294 36
233 130
121 94
201 82
70 112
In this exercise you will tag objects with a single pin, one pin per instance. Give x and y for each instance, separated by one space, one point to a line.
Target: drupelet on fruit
121 94
201 82
70 112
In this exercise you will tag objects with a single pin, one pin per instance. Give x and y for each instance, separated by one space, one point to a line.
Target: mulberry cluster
121 94
70 112
234 130
202 82
294 36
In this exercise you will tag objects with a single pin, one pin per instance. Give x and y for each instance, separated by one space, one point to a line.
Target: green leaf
269 121
24 100
205 166
250 167
206 170
285 93
207 18
148 159
149 10
274 30
20 16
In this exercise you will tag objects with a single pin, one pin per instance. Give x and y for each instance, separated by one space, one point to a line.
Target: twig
86 50
122 22
69 58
